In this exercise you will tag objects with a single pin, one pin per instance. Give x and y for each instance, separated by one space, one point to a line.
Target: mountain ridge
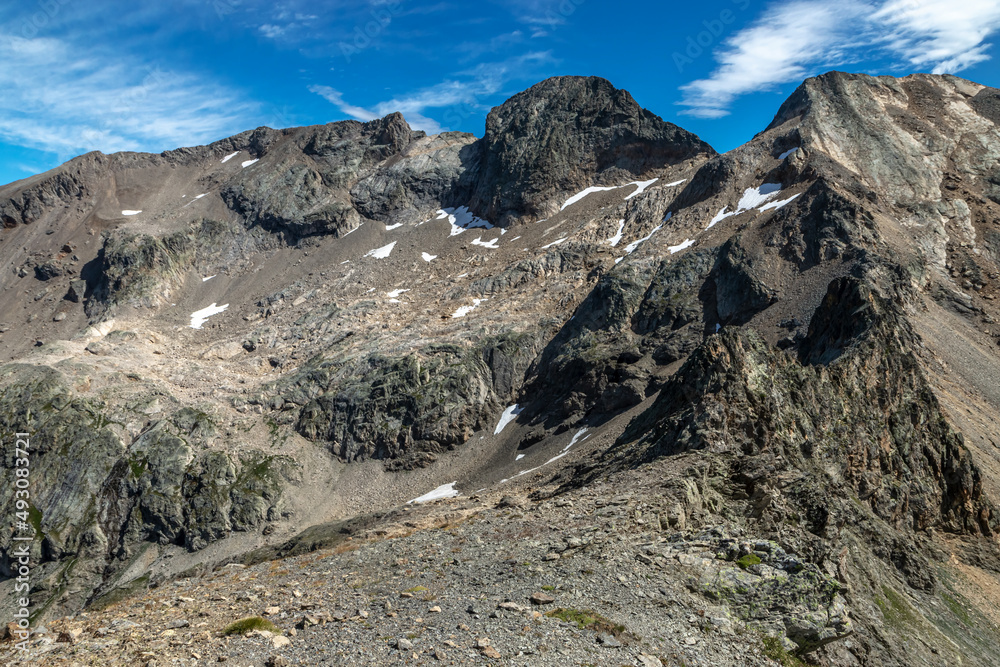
774 326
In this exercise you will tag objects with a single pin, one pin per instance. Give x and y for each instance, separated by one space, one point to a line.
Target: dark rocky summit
725 409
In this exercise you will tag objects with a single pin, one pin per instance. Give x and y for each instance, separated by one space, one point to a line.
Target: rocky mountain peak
565 134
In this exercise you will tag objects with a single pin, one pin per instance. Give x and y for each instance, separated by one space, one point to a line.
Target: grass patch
748 561
548 588
774 649
124 592
957 609
895 609
247 625
416 589
588 620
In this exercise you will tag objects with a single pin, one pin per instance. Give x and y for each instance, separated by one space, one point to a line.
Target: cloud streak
62 98
791 40
475 86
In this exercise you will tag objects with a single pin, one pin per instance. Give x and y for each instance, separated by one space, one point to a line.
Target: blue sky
81 75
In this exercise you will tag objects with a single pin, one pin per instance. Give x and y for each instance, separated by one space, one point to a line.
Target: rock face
784 358
565 134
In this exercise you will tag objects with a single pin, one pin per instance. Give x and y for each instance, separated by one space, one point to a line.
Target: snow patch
581 195
752 198
509 415
131 212
206 279
777 204
440 493
229 157
494 244
720 216
519 457
630 248
616 239
383 252
199 317
555 243
389 228
200 196
428 257
461 219
677 248
395 293
676 183
566 449
465 310
250 162
787 153
642 187
353 230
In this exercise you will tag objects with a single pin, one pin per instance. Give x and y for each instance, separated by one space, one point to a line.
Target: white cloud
792 40
946 35
774 49
67 99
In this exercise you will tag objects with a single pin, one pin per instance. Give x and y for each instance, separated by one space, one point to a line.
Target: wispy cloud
946 35
472 88
60 97
775 49
791 40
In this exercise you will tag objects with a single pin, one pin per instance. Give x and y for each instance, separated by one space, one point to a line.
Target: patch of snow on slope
787 153
677 248
199 317
389 228
544 247
461 219
200 196
580 195
207 278
777 204
465 310
630 248
250 162
229 157
754 197
487 244
675 183
440 493
131 212
566 449
642 187
395 293
353 230
720 216
616 239
383 252
428 257
519 457
509 415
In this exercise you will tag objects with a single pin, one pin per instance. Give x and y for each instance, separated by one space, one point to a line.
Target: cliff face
221 346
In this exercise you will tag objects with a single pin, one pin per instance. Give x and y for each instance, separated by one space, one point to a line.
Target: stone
404 644
541 598
280 641
71 636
